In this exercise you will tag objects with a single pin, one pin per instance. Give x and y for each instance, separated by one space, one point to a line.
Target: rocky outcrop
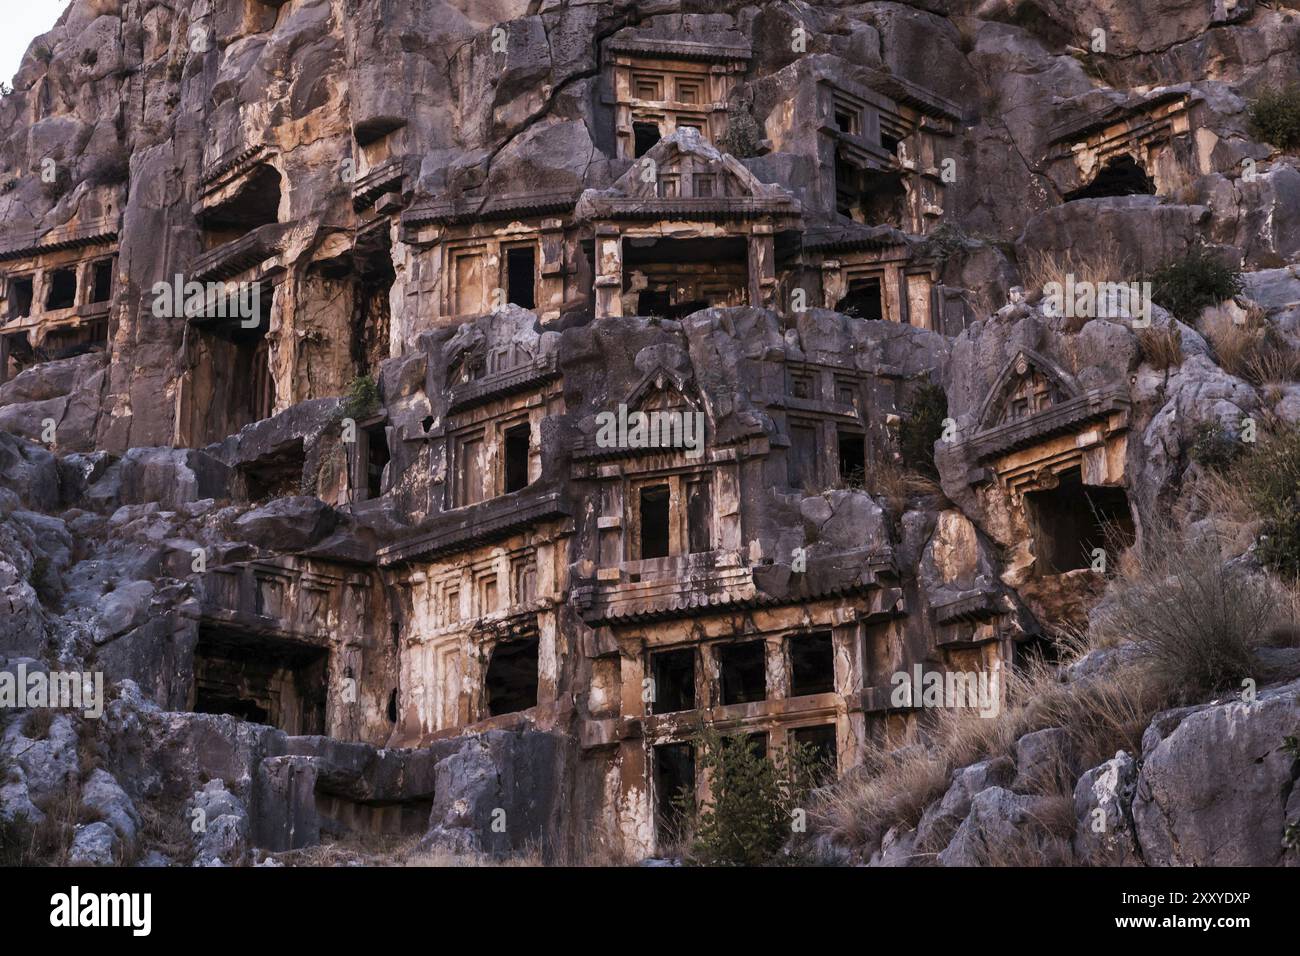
361 559
1214 785
1217 787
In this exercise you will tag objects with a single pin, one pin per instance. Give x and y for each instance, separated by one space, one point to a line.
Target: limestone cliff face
127 115
365 532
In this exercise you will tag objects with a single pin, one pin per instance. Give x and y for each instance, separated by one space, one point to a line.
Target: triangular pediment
684 174
1027 385
686 166
661 389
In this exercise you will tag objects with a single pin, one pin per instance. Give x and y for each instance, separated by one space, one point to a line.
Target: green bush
748 817
743 137
1213 446
1275 117
1186 286
1272 478
921 427
361 398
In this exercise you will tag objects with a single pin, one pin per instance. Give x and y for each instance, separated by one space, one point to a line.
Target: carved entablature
663 396
507 379
1144 145
662 389
288 598
1036 423
685 176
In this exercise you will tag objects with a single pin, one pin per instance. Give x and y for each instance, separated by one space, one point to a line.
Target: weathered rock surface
363 565
1103 800
1219 788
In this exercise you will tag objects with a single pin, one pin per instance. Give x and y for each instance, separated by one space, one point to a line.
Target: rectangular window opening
674 769
521 276
654 521
863 301
812 664
853 458
821 741
673 673
377 458
102 281
517 441
20 297
1073 520
645 135
272 681
62 292
744 672
511 684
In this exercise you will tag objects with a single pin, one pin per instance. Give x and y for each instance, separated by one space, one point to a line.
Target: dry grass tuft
47 843
1162 347
1106 713
1251 349
1038 268
357 849
897 485
1197 616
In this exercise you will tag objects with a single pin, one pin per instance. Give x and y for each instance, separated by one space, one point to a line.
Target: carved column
762 267
609 271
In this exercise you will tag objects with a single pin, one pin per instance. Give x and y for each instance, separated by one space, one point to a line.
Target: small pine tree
752 799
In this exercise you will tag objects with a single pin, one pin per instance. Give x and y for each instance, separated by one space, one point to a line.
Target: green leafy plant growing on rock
1212 445
742 138
921 427
945 242
360 399
1189 284
1271 475
1275 117
753 800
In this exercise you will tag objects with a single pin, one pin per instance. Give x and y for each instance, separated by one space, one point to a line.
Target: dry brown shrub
1162 347
1106 713
1196 616
1250 348
1038 268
